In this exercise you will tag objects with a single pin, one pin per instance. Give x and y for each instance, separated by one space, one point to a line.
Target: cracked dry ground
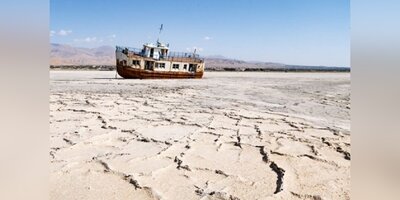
227 136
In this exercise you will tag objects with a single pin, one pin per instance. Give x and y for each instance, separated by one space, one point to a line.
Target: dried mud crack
274 167
280 173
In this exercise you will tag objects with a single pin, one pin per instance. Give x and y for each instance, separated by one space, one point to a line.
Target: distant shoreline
214 69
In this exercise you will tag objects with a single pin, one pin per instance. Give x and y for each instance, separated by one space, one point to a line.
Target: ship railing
131 50
174 56
182 56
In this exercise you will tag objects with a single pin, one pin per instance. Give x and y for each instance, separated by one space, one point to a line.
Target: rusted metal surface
128 72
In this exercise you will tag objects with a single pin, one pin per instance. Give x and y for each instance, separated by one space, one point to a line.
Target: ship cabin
156 52
157 57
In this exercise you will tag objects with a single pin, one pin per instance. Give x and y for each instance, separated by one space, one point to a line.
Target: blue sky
306 32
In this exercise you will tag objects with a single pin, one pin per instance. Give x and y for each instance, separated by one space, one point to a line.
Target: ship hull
132 73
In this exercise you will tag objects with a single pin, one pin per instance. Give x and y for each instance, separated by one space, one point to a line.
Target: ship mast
159 33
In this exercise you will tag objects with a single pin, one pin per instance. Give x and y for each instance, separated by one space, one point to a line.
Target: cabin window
185 66
148 65
163 53
192 67
151 52
135 62
161 65
175 66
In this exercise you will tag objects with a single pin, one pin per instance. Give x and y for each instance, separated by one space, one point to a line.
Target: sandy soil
227 136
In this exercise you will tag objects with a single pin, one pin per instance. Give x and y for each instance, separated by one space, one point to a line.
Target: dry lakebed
230 135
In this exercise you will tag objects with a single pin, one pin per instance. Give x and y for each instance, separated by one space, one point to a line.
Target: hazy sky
305 32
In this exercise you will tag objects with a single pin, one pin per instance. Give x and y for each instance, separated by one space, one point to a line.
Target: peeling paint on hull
132 73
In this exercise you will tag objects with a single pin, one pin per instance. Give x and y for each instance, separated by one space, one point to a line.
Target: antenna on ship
159 33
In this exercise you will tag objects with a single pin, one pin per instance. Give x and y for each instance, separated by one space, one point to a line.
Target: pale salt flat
230 135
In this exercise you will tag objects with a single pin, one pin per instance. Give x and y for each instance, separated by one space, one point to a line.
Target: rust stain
128 72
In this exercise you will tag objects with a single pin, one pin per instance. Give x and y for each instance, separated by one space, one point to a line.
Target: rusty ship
155 61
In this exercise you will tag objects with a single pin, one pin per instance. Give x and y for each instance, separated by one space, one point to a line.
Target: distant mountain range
66 56
62 54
